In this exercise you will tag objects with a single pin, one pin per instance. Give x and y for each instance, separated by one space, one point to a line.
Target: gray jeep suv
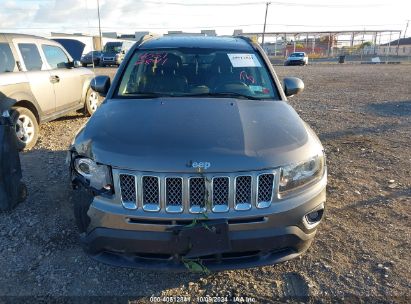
196 158
44 80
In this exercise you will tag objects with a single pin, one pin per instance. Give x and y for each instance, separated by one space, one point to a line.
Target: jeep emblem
201 165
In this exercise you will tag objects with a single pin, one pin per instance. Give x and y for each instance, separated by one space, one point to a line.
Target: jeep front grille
221 187
151 193
196 194
243 192
174 194
128 191
265 190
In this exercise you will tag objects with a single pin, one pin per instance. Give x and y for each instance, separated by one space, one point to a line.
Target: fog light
314 217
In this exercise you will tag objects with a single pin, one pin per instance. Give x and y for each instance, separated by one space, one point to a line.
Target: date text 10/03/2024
203 299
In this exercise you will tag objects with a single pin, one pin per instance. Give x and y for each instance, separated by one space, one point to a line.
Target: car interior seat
222 72
164 77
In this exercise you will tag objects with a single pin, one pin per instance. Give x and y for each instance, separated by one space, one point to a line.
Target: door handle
54 79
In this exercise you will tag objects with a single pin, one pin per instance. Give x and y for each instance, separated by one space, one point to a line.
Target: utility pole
406 28
99 24
265 22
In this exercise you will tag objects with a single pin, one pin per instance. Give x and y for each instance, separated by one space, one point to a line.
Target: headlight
296 175
98 175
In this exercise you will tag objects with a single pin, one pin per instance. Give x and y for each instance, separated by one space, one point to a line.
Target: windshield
297 55
196 72
114 47
93 53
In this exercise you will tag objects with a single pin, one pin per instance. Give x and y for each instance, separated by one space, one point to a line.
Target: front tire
26 127
92 102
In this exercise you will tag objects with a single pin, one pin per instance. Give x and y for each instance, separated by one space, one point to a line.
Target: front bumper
156 250
127 238
110 61
89 60
295 62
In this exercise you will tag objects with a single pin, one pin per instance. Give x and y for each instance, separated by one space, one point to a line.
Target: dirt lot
362 114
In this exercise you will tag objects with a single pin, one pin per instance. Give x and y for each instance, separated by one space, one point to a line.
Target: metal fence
361 45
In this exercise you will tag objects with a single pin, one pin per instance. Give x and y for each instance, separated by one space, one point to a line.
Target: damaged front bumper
138 239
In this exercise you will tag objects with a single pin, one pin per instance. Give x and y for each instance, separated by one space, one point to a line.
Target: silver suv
297 58
44 80
196 159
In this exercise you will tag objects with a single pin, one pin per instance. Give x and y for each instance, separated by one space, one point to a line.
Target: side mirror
70 64
293 86
101 84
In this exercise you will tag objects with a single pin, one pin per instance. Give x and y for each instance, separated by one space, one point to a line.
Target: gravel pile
362 114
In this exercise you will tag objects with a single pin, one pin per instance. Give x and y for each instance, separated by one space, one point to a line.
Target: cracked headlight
98 176
297 175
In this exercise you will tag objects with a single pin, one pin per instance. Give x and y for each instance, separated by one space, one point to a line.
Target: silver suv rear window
7 62
31 56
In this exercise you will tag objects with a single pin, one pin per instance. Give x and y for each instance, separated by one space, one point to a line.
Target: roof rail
146 38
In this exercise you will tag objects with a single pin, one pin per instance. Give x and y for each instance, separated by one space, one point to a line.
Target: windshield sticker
244 60
259 89
256 88
245 77
152 58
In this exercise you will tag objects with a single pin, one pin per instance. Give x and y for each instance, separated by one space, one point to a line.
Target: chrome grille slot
265 190
221 186
197 194
192 193
174 194
151 193
128 191
243 192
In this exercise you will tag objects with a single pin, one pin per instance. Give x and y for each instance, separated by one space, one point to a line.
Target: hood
110 54
167 134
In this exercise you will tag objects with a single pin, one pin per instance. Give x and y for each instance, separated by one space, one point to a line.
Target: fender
86 86
21 93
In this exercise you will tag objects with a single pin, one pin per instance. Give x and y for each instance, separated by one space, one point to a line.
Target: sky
158 16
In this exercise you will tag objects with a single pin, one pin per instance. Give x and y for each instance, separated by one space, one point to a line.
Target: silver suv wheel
25 129
92 102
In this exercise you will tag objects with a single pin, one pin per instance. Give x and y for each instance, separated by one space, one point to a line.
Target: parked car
297 58
114 52
92 58
195 156
44 80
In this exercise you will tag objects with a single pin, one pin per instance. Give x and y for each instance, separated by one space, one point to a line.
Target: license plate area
204 238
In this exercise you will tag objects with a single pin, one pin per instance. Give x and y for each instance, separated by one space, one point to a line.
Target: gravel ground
362 114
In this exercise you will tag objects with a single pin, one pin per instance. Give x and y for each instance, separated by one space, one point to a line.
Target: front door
67 81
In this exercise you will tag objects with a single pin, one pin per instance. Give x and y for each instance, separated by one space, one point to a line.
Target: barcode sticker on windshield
244 60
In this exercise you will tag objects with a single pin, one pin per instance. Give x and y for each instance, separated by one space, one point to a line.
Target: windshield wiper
222 94
147 95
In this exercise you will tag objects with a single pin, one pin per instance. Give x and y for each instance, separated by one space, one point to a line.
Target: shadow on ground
391 108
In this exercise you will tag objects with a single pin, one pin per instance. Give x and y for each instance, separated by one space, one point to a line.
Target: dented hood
167 134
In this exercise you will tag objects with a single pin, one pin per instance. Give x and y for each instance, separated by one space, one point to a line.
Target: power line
208 26
234 4
273 2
